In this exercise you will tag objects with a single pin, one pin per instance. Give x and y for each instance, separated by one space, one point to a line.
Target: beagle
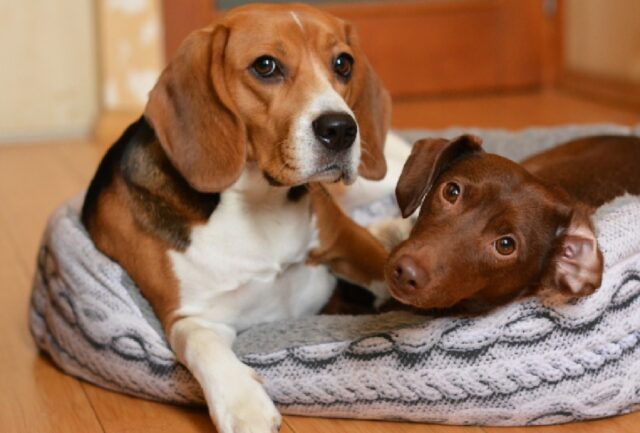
212 200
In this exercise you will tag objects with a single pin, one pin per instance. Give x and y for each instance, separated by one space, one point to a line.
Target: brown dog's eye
451 192
505 245
343 65
265 66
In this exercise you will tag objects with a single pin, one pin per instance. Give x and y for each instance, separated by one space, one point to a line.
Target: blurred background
77 68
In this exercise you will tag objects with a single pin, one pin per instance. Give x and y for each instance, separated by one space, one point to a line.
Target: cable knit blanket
522 364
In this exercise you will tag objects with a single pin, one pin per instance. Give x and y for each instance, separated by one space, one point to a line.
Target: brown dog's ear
429 158
194 117
576 266
371 105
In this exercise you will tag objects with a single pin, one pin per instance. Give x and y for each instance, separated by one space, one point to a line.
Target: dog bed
521 364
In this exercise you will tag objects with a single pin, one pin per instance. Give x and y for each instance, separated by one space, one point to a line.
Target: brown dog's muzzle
409 279
425 277
408 276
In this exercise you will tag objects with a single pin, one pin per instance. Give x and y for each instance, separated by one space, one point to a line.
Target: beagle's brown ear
371 104
194 117
429 158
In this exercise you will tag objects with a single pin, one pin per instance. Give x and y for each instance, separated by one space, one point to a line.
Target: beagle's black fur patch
272 180
161 200
295 193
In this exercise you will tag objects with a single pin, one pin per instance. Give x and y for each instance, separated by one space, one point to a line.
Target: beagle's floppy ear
194 117
429 158
371 104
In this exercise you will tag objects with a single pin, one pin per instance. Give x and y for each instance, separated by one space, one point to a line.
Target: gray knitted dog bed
522 364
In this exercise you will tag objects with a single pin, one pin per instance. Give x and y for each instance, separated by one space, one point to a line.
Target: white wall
48 69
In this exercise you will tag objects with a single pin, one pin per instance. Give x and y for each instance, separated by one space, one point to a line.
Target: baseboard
623 93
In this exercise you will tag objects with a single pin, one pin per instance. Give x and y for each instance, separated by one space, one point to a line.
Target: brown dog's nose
408 275
336 131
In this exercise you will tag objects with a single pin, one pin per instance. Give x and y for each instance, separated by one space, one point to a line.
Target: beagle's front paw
392 232
245 407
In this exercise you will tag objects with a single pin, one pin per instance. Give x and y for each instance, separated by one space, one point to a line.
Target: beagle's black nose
336 131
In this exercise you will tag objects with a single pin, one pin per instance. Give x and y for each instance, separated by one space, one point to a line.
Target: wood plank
36 396
35 183
116 411
141 416
326 425
81 159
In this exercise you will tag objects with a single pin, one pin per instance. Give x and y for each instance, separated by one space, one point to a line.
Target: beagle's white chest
246 265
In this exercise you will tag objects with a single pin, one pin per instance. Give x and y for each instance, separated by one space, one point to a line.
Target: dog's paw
245 407
391 232
380 292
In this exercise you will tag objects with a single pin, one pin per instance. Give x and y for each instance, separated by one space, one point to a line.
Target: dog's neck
255 187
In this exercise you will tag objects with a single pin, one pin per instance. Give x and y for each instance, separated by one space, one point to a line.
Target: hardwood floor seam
91 404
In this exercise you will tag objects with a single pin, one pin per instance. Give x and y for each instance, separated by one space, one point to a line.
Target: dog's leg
347 248
237 401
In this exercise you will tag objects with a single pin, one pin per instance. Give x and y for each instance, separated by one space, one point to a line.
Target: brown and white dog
206 202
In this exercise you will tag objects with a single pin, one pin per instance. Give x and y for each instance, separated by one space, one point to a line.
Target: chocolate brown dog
490 229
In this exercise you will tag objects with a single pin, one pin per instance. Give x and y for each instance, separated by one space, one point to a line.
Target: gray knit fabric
525 363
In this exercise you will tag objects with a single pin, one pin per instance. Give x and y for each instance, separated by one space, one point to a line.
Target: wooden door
433 46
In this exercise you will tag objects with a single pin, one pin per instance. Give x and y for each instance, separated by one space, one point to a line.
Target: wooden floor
35 178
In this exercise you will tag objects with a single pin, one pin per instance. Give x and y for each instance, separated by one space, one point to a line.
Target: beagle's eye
343 65
451 192
506 245
265 66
